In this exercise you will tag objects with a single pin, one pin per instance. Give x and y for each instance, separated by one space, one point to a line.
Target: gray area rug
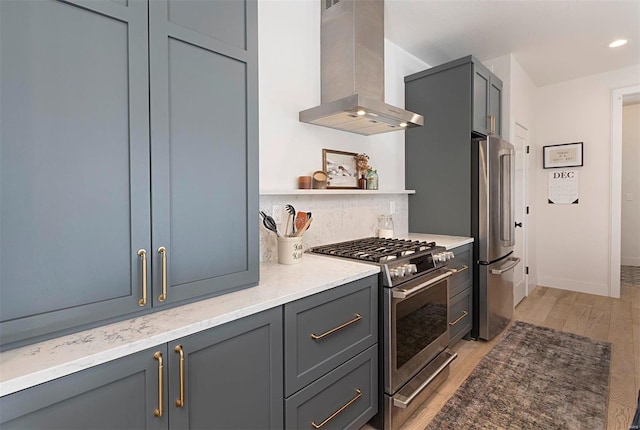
534 378
630 275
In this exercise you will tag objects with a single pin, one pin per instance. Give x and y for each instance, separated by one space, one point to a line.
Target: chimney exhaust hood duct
352 71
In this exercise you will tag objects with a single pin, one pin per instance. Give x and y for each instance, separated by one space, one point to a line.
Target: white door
519 276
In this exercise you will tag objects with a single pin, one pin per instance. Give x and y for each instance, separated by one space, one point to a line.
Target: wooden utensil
301 220
304 228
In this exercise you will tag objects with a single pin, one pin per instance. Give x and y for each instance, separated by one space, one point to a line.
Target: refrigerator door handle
513 263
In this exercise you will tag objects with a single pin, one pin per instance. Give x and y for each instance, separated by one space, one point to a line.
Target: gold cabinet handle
461 269
333 330
143 254
333 415
163 252
492 124
464 314
180 400
158 356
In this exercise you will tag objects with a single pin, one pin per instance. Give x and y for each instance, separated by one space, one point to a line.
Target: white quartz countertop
27 366
448 242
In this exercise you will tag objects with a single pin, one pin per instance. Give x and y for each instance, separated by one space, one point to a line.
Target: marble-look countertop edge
449 242
35 364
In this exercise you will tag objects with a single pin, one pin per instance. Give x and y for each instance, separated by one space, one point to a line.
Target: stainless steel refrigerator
493 224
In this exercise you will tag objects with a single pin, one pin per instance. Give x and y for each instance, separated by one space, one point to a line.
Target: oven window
420 320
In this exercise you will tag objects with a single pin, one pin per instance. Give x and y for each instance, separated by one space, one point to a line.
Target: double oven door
415 326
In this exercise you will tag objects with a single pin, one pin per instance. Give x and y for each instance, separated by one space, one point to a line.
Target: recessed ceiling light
617 43
361 112
403 124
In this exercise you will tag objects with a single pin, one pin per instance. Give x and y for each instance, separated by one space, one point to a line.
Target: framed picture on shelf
341 169
564 155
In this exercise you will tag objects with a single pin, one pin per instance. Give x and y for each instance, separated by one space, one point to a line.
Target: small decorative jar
362 182
372 179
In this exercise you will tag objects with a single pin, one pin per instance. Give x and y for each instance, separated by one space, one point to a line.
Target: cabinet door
204 159
74 163
495 104
232 376
481 78
121 394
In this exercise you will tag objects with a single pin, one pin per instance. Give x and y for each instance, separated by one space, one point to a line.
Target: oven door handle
399 293
405 403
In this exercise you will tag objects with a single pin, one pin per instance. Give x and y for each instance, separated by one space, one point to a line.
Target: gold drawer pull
461 269
143 254
333 330
464 314
158 356
163 252
180 401
333 415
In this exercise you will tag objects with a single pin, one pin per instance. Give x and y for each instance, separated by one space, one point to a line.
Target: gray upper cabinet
204 125
74 163
458 100
119 119
487 101
118 395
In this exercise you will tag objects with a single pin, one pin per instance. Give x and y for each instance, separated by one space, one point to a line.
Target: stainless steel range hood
352 71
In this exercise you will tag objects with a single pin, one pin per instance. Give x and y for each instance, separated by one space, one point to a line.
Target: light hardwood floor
602 318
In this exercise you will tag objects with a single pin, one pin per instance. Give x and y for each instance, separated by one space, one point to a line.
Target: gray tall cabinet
128 158
459 99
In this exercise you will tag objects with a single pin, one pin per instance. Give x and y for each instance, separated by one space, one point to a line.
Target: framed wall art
564 155
342 172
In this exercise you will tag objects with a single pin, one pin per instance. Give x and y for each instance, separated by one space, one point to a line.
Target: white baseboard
630 261
573 285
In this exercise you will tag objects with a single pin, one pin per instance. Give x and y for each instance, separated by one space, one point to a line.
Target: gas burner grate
374 249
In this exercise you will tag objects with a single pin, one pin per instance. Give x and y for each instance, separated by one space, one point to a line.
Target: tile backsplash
335 217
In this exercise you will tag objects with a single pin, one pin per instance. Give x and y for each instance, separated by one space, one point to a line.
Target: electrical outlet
276 213
392 208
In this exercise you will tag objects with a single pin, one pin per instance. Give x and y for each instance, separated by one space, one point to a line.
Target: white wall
289 78
630 235
573 240
518 102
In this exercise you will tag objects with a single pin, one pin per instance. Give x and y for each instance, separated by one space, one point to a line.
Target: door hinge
527 149
527 210
526 270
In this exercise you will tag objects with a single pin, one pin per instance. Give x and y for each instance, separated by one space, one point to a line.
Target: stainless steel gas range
414 304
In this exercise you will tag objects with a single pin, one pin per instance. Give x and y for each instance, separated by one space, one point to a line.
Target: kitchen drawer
462 279
327 329
346 398
460 317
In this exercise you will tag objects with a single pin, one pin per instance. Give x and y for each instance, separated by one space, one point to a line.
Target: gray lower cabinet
345 398
330 357
128 158
460 294
121 394
231 377
461 99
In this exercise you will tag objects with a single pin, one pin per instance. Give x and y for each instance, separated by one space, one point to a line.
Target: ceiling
553 40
